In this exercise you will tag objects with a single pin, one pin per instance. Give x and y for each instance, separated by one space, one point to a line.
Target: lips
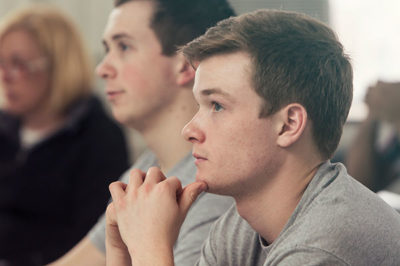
111 95
199 158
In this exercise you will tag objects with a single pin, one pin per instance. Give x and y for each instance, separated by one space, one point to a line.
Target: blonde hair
71 72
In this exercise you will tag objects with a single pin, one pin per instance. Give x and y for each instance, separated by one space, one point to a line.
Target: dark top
54 192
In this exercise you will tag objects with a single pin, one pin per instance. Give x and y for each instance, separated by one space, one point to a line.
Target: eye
122 46
19 65
106 49
216 106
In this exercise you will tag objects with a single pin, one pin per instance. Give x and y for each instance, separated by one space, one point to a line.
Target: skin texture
134 67
227 122
147 91
141 197
255 160
26 91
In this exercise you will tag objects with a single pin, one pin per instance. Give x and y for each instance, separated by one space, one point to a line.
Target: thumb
190 194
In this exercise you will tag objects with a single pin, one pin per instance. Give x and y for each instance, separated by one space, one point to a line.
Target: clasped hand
145 216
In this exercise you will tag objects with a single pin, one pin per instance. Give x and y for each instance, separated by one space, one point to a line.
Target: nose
192 131
105 69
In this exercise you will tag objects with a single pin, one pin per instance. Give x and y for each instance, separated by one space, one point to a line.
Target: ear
292 123
185 72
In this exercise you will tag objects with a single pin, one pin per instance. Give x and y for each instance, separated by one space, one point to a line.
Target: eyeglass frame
18 68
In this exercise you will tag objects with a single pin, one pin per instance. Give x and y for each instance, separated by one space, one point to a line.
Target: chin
212 187
119 116
218 190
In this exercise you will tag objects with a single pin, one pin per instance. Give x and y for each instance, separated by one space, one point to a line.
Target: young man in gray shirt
274 89
148 85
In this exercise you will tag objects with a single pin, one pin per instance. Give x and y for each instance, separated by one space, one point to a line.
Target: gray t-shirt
203 213
337 222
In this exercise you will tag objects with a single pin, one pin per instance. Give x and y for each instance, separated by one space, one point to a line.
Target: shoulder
89 121
340 214
88 116
9 125
98 114
303 255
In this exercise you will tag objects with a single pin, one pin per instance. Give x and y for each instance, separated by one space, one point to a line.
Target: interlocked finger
136 179
154 176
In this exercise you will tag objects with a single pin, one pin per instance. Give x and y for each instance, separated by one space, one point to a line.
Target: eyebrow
211 91
119 36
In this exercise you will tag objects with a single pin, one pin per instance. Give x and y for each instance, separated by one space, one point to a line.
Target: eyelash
122 46
216 105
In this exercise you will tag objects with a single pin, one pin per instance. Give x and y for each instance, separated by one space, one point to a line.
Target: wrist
116 256
157 255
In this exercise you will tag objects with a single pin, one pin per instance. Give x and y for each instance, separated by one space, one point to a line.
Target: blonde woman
57 145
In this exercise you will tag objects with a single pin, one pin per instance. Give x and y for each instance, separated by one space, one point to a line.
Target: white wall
89 15
370 33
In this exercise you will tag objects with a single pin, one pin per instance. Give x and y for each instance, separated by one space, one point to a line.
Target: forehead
18 42
227 74
132 17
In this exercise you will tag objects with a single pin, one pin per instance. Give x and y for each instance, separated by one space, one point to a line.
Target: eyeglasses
17 67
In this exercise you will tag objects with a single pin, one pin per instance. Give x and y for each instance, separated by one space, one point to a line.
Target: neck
162 134
43 121
269 209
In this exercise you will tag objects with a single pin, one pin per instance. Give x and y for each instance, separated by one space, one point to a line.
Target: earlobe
185 73
293 120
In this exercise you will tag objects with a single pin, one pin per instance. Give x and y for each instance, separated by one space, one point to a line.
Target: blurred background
369 30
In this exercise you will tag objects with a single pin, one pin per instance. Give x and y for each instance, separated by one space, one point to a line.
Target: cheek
248 142
36 90
134 78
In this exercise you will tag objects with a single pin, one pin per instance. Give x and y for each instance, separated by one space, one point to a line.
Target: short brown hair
71 71
295 58
176 22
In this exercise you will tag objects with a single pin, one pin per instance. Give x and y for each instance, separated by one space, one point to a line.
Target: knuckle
154 171
119 204
132 178
114 184
146 188
163 187
174 179
135 172
110 208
